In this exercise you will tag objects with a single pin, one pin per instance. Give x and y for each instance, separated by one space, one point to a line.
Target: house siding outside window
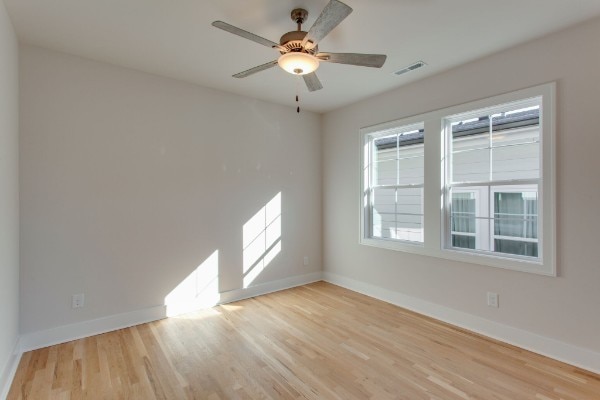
473 182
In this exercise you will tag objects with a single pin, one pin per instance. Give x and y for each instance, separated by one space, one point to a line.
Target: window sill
490 260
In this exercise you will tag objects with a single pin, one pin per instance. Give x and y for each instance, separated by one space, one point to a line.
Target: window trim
369 135
434 213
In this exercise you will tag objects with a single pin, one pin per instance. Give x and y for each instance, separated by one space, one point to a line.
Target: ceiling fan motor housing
293 42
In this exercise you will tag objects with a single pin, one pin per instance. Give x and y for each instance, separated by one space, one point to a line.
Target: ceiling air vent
411 67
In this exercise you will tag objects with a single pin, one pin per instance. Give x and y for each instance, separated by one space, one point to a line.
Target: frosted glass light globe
298 63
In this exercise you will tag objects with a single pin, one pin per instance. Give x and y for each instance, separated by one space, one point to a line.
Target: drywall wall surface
9 192
136 187
565 307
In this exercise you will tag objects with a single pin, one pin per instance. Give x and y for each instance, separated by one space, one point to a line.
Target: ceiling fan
299 49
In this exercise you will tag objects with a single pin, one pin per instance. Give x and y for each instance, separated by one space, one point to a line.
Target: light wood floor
316 342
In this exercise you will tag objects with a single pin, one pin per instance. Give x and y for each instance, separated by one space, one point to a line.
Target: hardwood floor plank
317 341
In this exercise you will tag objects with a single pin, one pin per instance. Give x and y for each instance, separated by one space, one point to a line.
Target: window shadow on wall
261 240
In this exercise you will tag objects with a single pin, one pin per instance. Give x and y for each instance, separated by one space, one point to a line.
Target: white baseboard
561 351
8 373
270 287
67 333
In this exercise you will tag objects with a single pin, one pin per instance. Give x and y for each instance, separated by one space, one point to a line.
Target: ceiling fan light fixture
298 63
299 49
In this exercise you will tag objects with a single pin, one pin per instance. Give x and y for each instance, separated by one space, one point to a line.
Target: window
493 164
394 176
478 188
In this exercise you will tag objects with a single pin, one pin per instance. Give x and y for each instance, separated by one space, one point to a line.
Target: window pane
469 128
512 217
398 214
469 218
463 242
463 212
516 247
409 218
478 239
398 159
516 223
385 146
516 162
515 214
385 173
471 166
384 212
386 153
409 227
510 137
470 150
385 167
411 169
516 124
410 201
523 135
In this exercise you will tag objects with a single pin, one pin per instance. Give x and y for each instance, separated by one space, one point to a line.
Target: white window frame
435 219
367 217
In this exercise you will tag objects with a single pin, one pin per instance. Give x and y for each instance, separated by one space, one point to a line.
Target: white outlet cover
78 300
492 299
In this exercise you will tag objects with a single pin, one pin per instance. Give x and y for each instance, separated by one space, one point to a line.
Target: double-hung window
493 179
478 188
394 175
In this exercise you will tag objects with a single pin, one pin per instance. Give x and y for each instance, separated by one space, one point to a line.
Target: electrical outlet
305 261
492 300
78 300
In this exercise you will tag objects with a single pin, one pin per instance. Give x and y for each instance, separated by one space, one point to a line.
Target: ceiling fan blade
254 70
245 34
334 12
363 60
312 82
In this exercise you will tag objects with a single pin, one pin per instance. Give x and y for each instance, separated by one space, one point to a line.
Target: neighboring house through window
396 183
493 178
473 182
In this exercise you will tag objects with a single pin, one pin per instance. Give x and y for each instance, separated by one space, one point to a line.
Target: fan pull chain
297 95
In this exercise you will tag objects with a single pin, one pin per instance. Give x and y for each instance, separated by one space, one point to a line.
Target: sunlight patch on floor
200 289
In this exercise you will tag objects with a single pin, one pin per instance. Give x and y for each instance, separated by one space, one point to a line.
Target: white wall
9 194
131 181
563 308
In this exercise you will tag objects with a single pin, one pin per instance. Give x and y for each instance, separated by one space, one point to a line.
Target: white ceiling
174 38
